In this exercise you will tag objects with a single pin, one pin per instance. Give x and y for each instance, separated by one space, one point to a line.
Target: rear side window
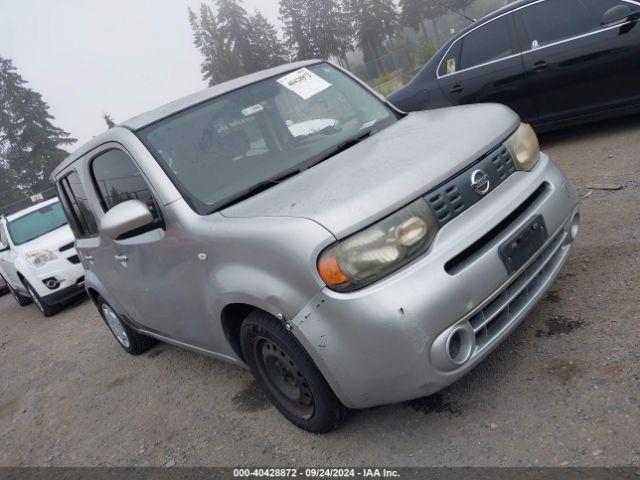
118 179
556 20
81 218
488 43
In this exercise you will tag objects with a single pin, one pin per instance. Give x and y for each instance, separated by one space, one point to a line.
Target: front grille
74 259
66 247
509 303
456 194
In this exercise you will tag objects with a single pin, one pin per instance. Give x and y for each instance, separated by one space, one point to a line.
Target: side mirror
125 218
618 14
4 248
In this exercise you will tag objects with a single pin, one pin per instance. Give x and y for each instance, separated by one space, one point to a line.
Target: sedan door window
488 43
552 21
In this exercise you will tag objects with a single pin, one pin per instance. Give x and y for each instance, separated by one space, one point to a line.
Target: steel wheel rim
115 325
35 299
283 377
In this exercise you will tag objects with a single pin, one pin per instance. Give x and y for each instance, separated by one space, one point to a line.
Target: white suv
38 259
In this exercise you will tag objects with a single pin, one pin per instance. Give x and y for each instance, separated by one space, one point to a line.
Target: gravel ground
564 389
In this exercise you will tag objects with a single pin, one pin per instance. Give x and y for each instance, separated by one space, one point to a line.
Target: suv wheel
287 376
133 342
45 309
21 299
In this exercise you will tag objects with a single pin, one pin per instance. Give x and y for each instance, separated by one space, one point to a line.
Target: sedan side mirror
4 248
619 14
126 219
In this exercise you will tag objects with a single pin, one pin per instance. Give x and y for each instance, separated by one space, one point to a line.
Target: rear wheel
133 342
46 309
287 376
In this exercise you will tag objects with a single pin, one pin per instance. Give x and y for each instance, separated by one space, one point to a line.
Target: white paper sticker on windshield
252 109
304 83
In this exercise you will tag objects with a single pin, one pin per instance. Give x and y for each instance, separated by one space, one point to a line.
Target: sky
90 57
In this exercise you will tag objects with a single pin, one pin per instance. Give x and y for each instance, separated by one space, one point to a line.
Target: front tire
131 341
46 309
21 299
287 376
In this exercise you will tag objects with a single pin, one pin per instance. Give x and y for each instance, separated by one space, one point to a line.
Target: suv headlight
524 147
380 249
39 258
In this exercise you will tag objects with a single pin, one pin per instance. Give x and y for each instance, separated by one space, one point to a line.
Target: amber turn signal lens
330 271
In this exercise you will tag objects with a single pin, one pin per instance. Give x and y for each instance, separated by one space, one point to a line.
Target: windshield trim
9 222
203 208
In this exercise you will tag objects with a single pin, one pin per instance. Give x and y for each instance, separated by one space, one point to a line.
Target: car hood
49 241
386 171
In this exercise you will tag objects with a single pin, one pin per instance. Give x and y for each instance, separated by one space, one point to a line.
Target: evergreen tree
234 27
218 64
30 145
331 29
294 15
269 50
317 28
108 120
413 14
232 43
374 21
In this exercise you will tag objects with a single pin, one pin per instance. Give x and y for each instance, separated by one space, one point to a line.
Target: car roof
491 15
30 209
496 13
179 105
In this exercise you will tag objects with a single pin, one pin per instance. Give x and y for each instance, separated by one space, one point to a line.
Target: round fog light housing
51 283
575 226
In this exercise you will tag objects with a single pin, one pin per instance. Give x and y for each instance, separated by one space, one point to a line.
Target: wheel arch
231 317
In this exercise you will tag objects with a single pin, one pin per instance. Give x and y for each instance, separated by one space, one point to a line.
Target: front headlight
39 258
524 147
378 250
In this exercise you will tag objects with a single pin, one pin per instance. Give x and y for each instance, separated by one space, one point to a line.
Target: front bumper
382 344
69 277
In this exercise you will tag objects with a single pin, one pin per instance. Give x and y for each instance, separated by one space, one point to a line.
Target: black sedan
555 62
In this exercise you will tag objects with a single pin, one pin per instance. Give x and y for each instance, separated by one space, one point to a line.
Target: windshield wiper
282 176
341 147
260 187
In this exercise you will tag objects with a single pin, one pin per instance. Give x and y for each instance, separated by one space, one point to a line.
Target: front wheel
287 376
133 342
21 299
46 309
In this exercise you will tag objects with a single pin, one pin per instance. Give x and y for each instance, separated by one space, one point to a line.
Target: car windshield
227 148
36 223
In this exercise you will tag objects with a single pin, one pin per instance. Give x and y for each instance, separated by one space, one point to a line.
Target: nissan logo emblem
480 182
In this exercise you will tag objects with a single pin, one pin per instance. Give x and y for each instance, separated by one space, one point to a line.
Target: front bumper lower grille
509 303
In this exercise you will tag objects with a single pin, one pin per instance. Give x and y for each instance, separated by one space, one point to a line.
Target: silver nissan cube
294 222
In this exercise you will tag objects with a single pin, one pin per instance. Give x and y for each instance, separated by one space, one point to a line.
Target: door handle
540 66
457 89
121 258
